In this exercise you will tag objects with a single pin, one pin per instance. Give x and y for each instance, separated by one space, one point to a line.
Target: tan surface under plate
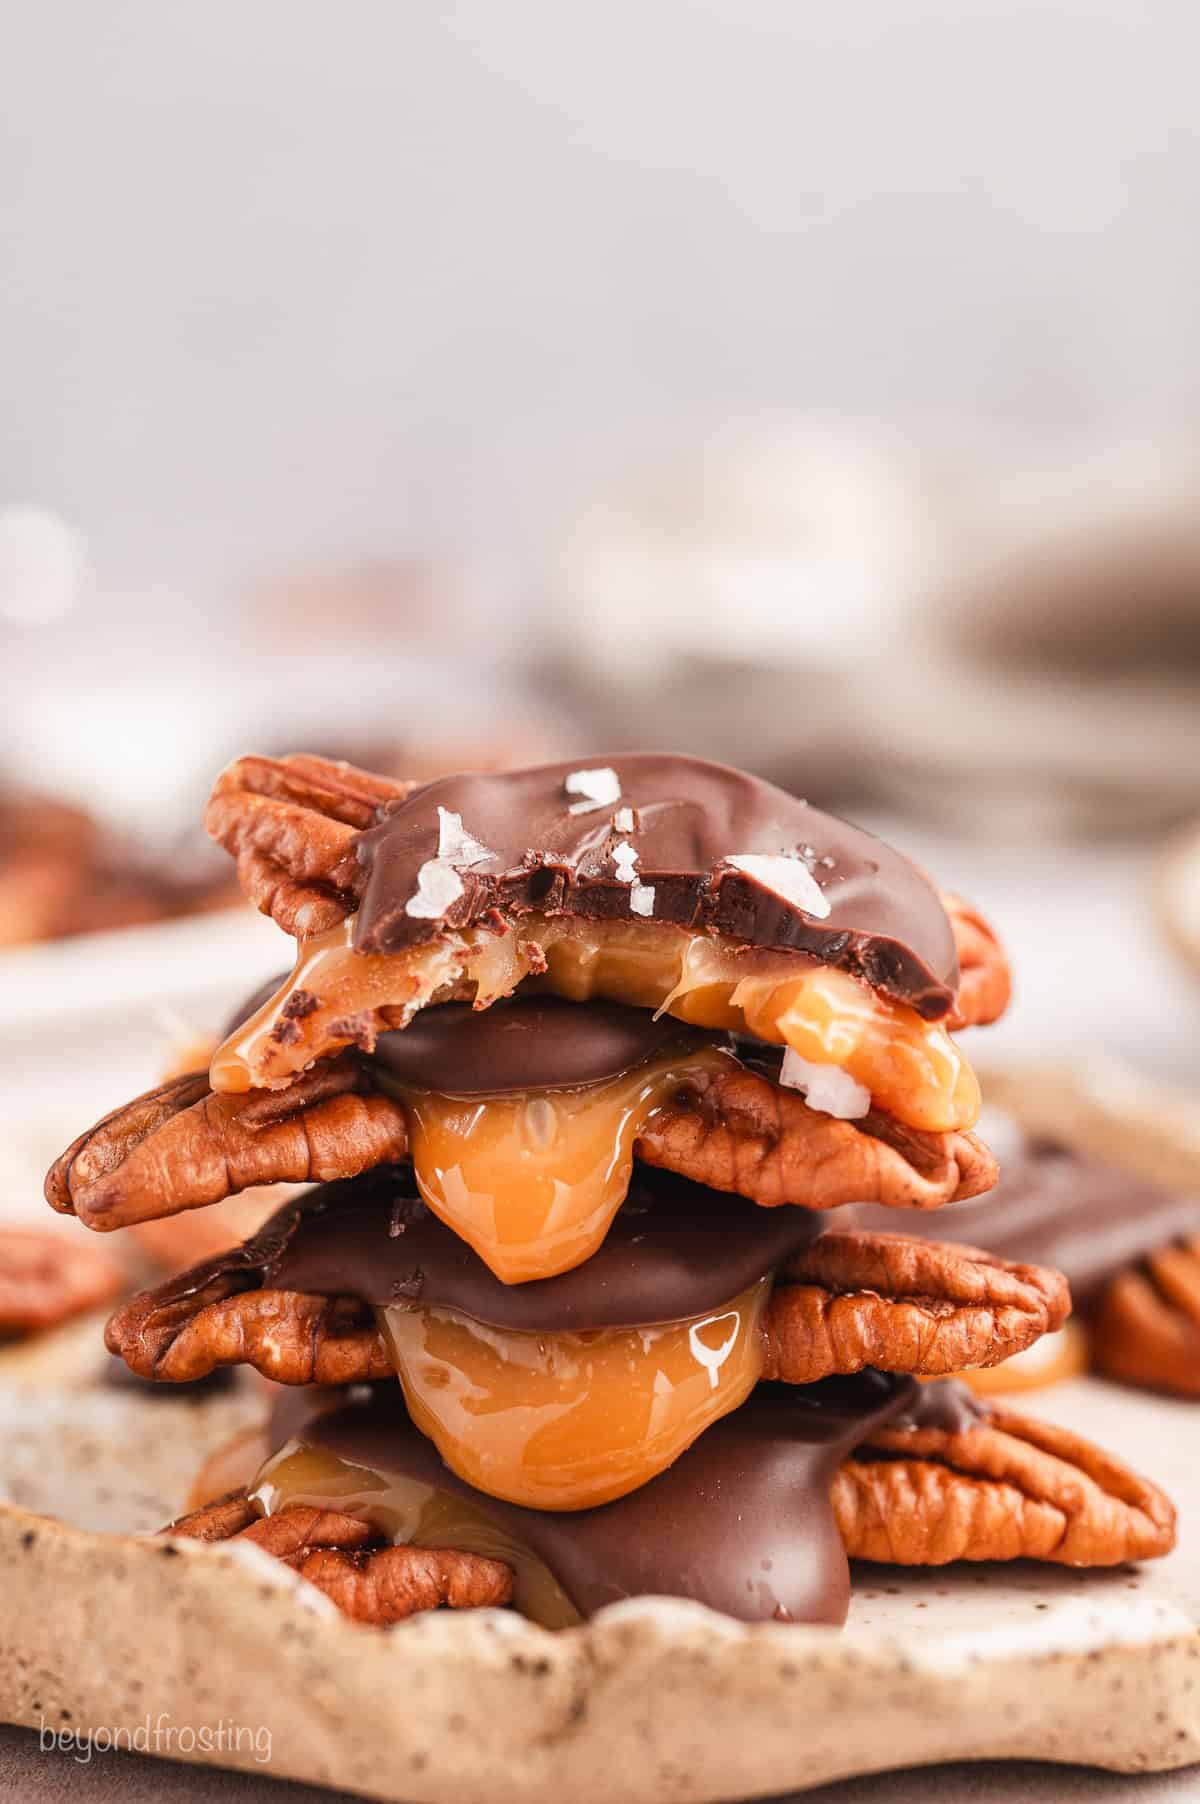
655 1700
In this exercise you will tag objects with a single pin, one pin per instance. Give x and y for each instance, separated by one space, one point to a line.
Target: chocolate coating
528 1043
948 1405
741 1522
1052 1208
885 922
674 1250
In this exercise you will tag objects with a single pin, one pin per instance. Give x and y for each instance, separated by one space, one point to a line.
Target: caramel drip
411 1513
533 1181
337 997
568 1421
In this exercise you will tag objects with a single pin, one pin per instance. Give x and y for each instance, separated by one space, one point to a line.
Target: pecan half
345 1558
291 823
218 1520
183 1330
736 1130
181 1147
1006 1488
45 1278
850 1300
1146 1326
853 1299
985 980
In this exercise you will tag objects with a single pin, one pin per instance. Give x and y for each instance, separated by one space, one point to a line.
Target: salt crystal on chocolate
439 886
455 845
596 788
788 878
625 859
641 899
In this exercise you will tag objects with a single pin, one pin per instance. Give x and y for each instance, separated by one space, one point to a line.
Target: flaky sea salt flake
827 1088
625 859
641 899
595 788
788 878
455 845
439 886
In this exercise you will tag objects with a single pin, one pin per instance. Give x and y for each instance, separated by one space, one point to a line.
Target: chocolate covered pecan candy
183 1147
844 1302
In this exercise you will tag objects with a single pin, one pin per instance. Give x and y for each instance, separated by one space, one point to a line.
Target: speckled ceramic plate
225 1657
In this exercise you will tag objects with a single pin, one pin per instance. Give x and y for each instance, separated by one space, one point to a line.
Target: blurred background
816 388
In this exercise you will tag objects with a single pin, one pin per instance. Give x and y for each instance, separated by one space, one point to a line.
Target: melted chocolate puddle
741 1522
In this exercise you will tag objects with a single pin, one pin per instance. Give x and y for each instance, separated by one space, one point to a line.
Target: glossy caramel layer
568 1421
532 1182
337 996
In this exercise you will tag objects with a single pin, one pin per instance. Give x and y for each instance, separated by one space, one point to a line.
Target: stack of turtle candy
584 1061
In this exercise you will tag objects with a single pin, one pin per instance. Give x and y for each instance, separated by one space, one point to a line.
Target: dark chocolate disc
529 1043
660 851
675 1249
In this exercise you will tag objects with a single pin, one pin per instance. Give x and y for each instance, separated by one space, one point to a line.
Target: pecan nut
180 1333
346 1559
853 1299
46 1278
736 1130
1005 1488
182 1147
1145 1327
290 824
984 976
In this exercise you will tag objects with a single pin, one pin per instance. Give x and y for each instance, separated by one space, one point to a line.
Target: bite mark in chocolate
870 912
